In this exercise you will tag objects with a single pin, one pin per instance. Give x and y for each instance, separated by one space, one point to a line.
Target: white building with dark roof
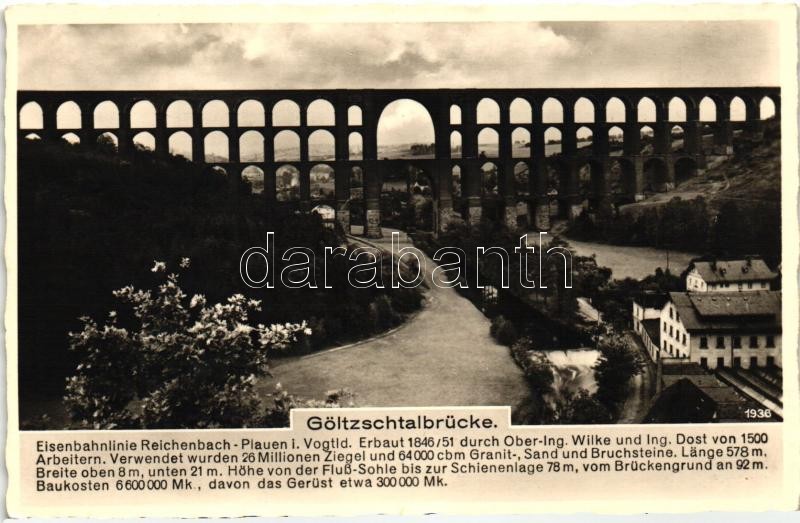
749 274
723 329
729 317
646 320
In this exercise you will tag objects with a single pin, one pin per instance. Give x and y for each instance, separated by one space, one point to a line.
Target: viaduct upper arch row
634 130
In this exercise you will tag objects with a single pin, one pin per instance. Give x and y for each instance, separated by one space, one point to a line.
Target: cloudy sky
272 56
211 56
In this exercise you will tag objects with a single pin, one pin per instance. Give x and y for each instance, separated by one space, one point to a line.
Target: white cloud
409 55
394 55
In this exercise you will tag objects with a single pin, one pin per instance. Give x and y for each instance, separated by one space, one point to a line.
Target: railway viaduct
636 139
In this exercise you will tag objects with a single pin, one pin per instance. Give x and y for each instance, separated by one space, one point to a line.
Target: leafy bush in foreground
179 363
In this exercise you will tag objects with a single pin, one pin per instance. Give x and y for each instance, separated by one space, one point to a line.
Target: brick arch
613 102
327 110
592 105
147 114
105 112
288 120
214 139
250 112
489 104
211 120
426 103
704 101
176 114
33 112
678 108
522 106
436 102
644 106
550 102
251 147
66 115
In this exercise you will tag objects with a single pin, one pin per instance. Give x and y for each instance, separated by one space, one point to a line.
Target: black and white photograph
219 223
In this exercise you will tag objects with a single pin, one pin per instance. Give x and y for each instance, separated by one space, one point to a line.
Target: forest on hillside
742 218
91 222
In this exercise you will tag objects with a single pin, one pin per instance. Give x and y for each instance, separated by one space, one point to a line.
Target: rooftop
733 271
743 312
653 330
681 368
651 300
698 398
760 303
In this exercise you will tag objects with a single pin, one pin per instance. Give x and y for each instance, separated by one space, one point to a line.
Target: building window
753 342
770 342
704 362
670 313
737 342
684 338
677 316
720 342
703 342
670 331
750 285
665 326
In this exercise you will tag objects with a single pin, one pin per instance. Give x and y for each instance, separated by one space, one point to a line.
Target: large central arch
406 144
402 124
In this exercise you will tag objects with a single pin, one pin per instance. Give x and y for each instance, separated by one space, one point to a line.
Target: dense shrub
555 406
278 413
381 314
406 300
617 365
736 228
679 224
503 331
172 361
583 408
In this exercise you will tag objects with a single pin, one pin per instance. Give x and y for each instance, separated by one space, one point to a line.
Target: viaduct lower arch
632 151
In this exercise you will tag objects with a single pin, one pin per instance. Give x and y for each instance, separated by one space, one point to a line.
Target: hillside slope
732 207
751 174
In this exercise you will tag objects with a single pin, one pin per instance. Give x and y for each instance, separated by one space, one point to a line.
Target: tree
503 330
106 144
615 367
538 369
540 373
583 409
588 277
179 362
